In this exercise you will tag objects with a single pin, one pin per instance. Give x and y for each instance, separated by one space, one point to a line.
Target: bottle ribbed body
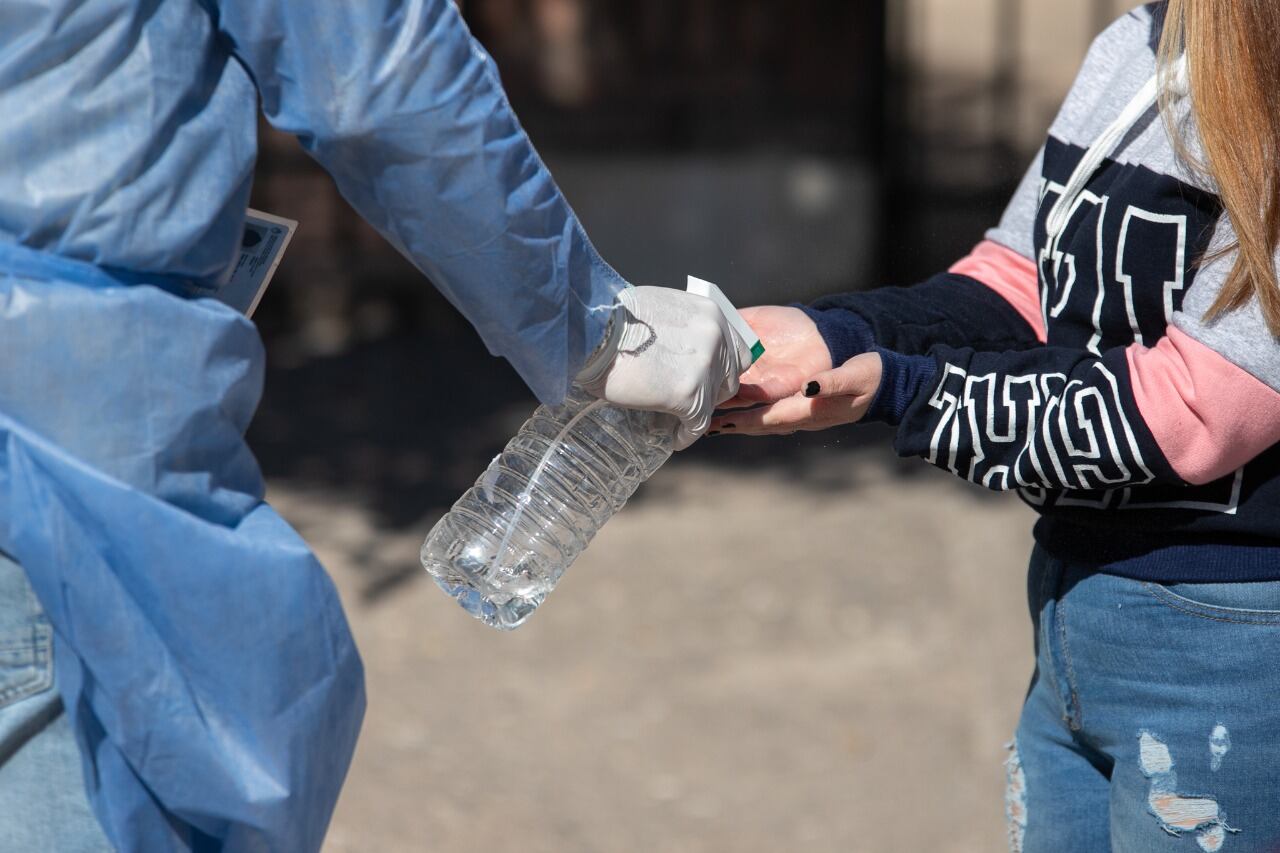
503 546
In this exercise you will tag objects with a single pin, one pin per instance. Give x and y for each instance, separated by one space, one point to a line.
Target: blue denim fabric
43 805
1152 721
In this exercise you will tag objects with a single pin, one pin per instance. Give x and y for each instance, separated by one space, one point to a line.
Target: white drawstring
1107 141
1180 83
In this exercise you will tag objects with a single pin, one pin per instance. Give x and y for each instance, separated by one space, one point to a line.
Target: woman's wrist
901 379
845 332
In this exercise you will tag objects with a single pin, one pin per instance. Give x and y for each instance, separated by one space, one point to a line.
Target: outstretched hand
829 398
793 352
795 380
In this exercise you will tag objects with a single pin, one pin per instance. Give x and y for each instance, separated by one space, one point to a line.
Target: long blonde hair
1233 53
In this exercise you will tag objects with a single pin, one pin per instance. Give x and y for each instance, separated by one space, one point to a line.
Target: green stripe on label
757 351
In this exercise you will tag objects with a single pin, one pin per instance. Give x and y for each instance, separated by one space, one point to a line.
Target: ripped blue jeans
1153 718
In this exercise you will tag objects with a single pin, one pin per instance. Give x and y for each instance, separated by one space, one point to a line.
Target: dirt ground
825 653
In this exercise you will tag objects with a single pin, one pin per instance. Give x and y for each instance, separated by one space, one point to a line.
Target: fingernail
728 426
713 432
812 389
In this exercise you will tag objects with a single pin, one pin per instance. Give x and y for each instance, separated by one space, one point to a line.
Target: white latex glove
668 351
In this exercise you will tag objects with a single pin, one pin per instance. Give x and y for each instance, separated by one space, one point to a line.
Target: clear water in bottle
507 541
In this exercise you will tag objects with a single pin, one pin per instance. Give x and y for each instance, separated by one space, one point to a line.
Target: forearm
985 301
406 111
1178 413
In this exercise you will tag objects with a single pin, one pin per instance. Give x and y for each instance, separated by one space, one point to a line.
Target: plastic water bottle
507 541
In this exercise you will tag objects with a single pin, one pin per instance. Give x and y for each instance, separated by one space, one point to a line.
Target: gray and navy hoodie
1069 357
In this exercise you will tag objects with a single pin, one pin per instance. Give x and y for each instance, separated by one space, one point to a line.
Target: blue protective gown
201 651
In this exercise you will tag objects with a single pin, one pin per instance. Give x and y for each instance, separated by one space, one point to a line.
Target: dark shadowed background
792 644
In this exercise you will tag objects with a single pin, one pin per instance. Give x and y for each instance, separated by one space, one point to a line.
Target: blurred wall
734 139
974 85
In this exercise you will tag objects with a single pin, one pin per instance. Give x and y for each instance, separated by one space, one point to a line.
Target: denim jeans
43 805
1153 718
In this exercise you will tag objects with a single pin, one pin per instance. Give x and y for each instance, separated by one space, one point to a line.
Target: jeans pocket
26 638
1256 602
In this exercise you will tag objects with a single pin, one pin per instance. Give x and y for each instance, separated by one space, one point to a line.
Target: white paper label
702 287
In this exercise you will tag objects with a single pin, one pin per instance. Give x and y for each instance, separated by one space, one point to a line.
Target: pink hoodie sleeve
1208 416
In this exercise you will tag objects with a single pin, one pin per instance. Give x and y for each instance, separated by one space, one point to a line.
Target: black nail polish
812 389
728 426
713 432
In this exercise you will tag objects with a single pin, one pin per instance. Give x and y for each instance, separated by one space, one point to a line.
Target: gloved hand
668 351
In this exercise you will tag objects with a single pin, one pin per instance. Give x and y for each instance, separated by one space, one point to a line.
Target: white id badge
265 238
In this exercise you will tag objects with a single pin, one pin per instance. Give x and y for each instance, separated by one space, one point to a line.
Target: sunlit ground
816 654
